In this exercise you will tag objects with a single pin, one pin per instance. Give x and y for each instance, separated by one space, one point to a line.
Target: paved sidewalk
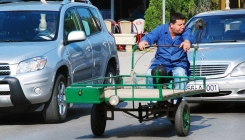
142 58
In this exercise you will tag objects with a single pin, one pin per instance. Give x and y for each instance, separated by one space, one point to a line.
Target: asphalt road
212 121
223 121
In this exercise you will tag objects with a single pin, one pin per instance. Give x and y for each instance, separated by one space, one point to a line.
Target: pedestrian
139 12
173 59
131 14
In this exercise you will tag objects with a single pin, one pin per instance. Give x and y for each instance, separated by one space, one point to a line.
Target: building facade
225 4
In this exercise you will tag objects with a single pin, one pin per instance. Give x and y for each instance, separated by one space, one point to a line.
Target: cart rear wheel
172 122
182 119
98 120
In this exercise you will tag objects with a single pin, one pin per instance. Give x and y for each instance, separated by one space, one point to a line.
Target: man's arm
149 38
188 40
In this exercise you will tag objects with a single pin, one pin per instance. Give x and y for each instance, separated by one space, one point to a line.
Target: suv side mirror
74 36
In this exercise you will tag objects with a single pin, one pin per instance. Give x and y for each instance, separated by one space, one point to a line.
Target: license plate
209 87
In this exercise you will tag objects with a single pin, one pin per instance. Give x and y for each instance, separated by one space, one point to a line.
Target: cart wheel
182 119
110 72
97 120
172 122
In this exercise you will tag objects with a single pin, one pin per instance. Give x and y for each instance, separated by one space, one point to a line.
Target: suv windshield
17 26
220 28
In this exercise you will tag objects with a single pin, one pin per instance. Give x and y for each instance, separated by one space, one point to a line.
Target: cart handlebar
135 47
148 46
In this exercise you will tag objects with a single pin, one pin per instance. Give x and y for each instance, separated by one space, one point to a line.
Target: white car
220 57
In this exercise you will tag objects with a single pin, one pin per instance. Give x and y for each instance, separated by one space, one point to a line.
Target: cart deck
97 93
100 95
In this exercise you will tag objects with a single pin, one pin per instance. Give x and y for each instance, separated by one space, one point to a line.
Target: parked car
220 57
45 47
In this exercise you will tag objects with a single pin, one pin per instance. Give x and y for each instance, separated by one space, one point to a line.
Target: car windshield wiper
11 40
216 41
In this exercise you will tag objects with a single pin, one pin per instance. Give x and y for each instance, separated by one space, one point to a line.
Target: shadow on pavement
34 118
222 107
157 128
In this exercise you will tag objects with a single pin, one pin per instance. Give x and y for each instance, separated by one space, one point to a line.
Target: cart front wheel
182 119
98 120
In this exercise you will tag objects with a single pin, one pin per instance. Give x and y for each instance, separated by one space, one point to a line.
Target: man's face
51 23
178 27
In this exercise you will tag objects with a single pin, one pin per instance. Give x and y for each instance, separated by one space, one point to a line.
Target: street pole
227 4
112 9
163 11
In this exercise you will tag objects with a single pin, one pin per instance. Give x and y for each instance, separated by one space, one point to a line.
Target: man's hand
186 45
142 45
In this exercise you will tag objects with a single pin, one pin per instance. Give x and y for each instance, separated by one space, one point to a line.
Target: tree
153 15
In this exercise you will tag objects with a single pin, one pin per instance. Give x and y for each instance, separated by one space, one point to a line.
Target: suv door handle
104 43
88 48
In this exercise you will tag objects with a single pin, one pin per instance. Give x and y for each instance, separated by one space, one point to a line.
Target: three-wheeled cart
123 88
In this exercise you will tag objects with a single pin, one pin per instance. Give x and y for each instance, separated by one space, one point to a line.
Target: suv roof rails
82 1
9 1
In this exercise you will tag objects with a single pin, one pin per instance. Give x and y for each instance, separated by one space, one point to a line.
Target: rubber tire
97 119
110 72
172 122
51 112
182 119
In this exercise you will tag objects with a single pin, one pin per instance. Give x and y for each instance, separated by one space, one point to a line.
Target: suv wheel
109 73
55 110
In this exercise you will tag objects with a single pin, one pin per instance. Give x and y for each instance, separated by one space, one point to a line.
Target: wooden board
146 93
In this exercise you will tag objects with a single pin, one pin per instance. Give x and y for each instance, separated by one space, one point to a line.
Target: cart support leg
140 112
112 114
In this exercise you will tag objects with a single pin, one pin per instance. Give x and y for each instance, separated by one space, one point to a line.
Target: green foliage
205 5
153 15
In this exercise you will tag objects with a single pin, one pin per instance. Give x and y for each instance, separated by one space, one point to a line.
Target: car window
71 22
220 28
87 21
32 26
96 17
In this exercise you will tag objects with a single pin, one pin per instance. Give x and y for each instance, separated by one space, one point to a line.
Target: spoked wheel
98 119
182 119
55 110
110 72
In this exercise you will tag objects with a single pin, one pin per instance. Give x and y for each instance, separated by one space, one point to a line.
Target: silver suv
45 47
220 57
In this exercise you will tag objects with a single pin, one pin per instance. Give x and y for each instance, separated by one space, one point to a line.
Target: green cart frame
106 97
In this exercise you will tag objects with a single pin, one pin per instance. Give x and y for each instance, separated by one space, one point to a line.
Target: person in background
47 26
131 14
51 24
139 12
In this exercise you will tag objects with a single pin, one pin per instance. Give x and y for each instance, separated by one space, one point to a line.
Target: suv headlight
239 70
31 65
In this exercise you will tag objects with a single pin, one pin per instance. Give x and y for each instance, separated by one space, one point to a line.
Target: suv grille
4 69
209 70
4 92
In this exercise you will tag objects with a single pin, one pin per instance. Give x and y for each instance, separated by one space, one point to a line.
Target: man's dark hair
176 16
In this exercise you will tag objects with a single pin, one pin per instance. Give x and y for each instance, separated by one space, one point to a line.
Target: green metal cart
106 97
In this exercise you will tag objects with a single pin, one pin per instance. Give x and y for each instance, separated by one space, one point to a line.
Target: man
51 20
174 59
47 26
139 11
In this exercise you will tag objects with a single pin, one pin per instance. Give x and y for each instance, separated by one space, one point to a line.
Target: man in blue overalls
174 59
